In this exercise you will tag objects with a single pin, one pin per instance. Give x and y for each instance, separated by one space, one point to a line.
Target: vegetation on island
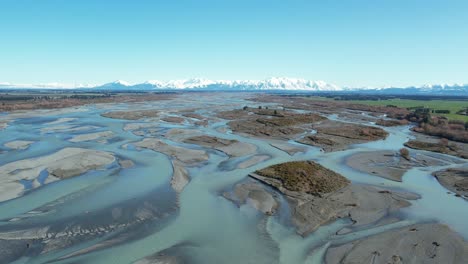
306 177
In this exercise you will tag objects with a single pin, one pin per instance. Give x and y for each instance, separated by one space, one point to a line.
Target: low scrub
391 122
404 152
305 176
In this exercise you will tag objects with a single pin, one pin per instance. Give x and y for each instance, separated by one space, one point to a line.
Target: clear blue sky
347 42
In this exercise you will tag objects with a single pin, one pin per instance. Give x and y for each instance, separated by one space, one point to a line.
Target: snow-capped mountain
273 84
205 84
428 89
120 82
444 87
52 85
284 84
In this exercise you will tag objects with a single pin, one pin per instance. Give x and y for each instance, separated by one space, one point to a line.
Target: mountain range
241 85
271 84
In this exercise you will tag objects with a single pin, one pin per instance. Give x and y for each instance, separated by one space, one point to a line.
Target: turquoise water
205 227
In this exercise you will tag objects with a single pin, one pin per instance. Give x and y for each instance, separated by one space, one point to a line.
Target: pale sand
237 149
18 144
454 179
185 155
420 243
389 164
125 164
232 148
68 162
3 125
173 119
13 115
335 135
132 115
66 129
181 157
252 161
136 126
92 136
166 256
162 259
363 204
222 130
180 176
45 112
286 147
60 121
254 194
179 134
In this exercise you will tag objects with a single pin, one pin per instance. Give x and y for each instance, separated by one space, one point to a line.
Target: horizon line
198 82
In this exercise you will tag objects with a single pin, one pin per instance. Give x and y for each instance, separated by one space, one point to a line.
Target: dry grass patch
305 176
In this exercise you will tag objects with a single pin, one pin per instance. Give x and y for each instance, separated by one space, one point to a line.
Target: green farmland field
453 106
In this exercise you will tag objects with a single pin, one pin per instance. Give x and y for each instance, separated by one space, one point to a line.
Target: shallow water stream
199 224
